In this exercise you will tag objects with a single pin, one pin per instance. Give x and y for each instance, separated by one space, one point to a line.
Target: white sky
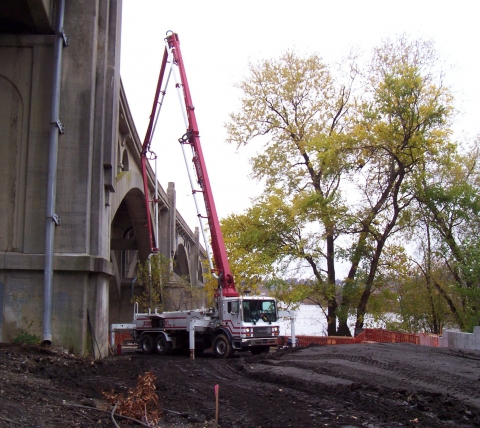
220 37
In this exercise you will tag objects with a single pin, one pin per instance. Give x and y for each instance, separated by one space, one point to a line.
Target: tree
300 108
448 196
163 288
404 123
154 274
267 243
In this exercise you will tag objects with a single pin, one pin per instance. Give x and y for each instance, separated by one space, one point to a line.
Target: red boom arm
146 147
222 265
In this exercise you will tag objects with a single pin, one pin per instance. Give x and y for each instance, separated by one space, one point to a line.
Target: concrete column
101 315
164 233
193 258
89 112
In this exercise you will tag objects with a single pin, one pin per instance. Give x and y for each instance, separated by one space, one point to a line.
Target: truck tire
147 344
162 345
222 347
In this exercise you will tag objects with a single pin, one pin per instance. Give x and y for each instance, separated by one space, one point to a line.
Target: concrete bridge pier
102 231
85 173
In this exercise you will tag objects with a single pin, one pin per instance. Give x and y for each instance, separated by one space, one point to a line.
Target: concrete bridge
72 208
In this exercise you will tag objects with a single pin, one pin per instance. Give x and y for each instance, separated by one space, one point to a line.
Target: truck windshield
255 310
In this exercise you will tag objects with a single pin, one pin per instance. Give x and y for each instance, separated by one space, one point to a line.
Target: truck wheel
222 347
162 345
146 344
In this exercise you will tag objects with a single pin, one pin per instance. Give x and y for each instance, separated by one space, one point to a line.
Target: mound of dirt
368 385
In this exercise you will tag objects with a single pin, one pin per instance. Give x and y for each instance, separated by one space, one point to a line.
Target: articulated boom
218 245
191 137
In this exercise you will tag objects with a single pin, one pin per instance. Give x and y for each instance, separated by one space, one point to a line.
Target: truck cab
249 323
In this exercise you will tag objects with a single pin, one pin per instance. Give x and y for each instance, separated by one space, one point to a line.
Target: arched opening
181 263
125 161
129 245
129 254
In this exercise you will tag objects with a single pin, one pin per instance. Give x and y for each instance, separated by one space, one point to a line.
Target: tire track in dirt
462 384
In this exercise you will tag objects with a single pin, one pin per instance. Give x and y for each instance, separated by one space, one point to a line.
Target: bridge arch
129 244
129 239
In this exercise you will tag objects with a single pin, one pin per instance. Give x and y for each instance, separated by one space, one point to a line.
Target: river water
311 321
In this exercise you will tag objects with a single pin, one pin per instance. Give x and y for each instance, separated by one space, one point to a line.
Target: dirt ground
367 385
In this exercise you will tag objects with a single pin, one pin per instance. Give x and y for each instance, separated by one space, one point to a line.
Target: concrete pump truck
235 322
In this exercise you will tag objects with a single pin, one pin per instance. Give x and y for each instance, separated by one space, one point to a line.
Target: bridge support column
101 313
194 254
172 201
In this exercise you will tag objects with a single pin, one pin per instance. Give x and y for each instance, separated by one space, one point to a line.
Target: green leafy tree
163 289
267 243
404 124
297 112
154 274
448 196
422 307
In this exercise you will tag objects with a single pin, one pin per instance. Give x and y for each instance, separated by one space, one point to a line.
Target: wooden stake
217 388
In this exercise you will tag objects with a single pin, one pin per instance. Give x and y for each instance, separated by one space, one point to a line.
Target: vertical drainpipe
56 127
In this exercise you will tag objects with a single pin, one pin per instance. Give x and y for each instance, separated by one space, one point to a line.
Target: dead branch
140 402
113 417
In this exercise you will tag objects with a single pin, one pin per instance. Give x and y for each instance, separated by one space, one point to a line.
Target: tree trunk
332 318
362 305
451 305
332 292
343 329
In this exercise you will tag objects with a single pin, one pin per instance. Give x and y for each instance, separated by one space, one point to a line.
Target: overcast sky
219 38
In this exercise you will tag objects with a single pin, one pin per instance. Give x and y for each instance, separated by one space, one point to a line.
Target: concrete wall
23 148
458 340
89 93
